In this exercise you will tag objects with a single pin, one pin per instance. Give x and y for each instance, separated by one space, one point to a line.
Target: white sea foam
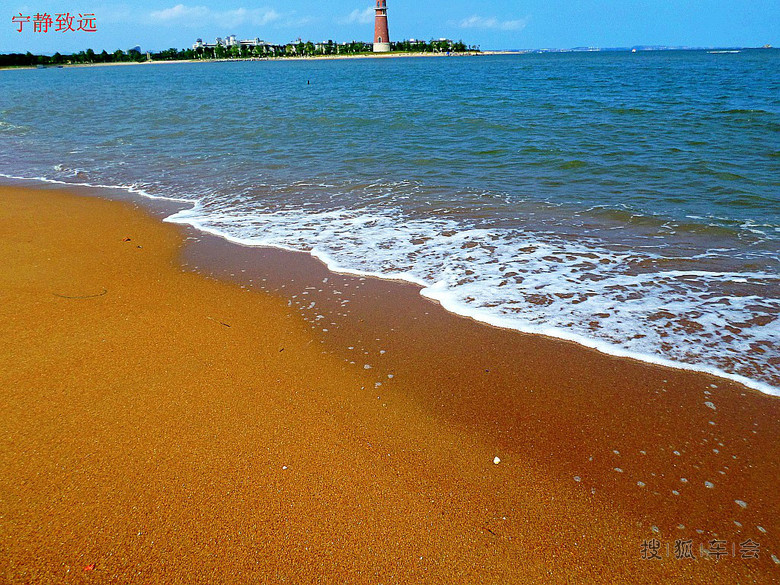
574 290
127 188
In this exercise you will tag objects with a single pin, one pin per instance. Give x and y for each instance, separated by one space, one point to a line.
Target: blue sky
502 24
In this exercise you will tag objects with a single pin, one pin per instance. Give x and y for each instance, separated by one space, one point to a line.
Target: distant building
231 41
381 32
199 44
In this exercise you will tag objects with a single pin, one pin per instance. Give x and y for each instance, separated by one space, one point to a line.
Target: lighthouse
381 36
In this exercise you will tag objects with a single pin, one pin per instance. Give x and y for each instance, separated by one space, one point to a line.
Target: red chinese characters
87 22
20 20
42 22
62 22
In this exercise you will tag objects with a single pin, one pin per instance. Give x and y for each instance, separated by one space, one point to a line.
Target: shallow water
627 201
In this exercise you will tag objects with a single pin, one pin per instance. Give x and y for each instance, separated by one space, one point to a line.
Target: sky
496 25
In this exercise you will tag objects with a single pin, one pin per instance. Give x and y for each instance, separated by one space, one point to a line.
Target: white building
230 41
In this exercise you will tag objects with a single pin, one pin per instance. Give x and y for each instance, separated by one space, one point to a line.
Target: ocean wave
576 290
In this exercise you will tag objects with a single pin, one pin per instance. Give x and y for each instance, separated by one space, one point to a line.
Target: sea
626 201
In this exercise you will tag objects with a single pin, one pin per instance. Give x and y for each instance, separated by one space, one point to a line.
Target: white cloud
180 12
257 17
493 23
359 17
192 16
295 21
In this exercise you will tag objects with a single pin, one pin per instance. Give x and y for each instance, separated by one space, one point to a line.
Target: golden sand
159 426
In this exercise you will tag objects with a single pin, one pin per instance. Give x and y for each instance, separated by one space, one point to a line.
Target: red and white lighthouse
381 35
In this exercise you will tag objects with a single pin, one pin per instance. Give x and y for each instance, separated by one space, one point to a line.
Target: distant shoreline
392 55
310 58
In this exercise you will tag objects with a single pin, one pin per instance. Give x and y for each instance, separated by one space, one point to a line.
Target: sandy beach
168 417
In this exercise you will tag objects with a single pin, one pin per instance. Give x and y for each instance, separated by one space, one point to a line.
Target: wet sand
176 410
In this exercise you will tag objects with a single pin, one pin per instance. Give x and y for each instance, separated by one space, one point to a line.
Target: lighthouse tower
381 36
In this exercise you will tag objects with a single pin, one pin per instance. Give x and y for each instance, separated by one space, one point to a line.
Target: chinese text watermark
654 549
64 22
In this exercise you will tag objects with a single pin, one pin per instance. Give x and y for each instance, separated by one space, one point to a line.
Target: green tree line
296 49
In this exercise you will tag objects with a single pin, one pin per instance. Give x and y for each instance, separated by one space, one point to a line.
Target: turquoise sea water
627 201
